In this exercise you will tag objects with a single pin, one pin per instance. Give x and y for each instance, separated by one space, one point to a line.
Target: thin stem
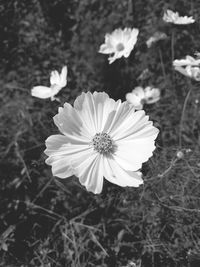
172 44
183 115
162 66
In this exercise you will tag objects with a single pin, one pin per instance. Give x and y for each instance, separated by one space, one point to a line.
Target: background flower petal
41 92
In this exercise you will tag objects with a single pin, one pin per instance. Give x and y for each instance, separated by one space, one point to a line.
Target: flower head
100 138
157 36
139 96
188 61
119 43
189 71
173 17
57 81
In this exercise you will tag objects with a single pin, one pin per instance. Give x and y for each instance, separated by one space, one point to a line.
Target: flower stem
172 44
183 115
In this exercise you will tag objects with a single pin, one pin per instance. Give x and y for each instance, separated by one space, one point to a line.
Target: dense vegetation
46 221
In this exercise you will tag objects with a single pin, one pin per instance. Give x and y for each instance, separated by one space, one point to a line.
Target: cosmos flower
173 17
100 138
139 96
157 36
57 81
119 43
189 71
188 61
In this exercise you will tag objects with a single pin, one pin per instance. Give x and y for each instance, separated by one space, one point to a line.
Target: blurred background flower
139 96
175 18
57 81
120 43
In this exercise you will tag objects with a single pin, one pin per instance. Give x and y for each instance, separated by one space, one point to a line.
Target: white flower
139 96
100 138
152 95
193 72
119 43
136 97
173 17
157 36
189 71
57 81
188 61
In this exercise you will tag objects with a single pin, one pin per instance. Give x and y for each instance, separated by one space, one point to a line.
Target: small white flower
57 82
189 71
100 138
173 17
139 96
152 95
193 72
188 61
136 97
119 43
157 36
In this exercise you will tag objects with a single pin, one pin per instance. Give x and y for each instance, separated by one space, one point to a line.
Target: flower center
120 47
103 143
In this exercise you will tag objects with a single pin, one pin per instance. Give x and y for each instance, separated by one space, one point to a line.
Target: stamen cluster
102 143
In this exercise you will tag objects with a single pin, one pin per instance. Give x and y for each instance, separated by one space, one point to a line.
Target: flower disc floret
102 143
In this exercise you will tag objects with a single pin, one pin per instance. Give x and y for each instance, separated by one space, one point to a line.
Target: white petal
61 154
71 125
116 55
182 70
42 92
132 153
152 95
139 91
184 62
126 121
63 77
116 175
94 109
90 172
136 97
54 77
133 38
106 49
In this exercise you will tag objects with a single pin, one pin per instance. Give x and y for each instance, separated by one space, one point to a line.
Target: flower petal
54 77
94 110
90 172
182 70
127 121
152 95
136 97
42 92
106 49
131 154
116 175
63 77
61 154
71 125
